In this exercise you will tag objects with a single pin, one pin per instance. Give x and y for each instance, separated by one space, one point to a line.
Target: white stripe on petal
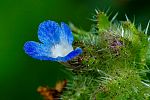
61 49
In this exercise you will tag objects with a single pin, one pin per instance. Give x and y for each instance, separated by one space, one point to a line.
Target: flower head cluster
56 43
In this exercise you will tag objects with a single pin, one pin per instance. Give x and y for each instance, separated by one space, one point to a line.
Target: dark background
20 74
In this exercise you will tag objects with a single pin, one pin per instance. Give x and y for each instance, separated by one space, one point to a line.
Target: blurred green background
20 75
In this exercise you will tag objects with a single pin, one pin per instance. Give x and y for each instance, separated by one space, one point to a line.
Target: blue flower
56 43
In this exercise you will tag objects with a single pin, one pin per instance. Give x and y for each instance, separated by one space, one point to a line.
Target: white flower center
61 49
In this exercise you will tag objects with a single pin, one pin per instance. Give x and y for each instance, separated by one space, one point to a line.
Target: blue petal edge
67 33
73 54
49 32
37 50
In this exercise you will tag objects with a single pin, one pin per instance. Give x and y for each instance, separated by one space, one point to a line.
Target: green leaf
103 22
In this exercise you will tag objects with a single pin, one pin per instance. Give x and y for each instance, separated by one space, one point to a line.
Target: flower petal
49 32
70 56
66 33
37 50
52 37
42 52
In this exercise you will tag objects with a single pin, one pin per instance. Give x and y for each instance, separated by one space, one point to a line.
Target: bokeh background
20 75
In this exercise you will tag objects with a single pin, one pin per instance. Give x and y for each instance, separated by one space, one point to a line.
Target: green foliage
103 22
113 65
125 86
